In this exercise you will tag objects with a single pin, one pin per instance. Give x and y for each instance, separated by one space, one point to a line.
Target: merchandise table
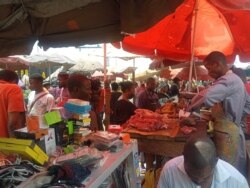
159 143
111 161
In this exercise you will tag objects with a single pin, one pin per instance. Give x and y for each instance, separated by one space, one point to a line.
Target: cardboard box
24 134
27 148
29 143
49 142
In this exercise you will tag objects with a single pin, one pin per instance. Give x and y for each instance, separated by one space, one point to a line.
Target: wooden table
160 144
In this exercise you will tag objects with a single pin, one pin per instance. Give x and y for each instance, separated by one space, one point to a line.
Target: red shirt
11 100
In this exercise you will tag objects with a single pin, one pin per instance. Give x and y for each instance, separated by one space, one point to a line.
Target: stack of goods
84 156
106 141
79 110
146 120
77 106
25 148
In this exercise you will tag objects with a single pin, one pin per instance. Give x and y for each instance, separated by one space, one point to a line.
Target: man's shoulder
226 171
143 94
49 96
174 163
10 86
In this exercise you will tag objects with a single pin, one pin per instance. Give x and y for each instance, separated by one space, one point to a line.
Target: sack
32 123
151 178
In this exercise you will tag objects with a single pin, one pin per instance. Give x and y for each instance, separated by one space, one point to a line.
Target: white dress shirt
173 175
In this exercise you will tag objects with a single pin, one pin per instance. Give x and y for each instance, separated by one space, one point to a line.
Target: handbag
32 123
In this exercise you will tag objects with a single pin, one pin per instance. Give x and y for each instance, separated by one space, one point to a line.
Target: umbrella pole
133 77
49 73
107 93
196 77
193 33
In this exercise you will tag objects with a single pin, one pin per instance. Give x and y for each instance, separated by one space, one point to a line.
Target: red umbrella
196 28
13 63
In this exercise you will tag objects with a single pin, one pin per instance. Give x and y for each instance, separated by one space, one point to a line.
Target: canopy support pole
107 92
133 77
193 34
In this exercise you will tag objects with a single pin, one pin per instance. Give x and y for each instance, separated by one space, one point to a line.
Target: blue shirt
228 90
173 175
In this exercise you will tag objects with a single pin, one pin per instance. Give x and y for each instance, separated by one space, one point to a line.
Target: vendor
40 100
79 87
11 104
124 108
228 89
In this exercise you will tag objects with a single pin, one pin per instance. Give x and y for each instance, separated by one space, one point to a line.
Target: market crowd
199 164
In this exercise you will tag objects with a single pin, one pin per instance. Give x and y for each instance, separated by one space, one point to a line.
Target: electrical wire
19 171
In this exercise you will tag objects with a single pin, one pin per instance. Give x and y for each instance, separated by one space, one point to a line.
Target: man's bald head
200 158
200 152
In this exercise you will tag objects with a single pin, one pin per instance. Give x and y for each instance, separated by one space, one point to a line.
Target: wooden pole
193 35
107 92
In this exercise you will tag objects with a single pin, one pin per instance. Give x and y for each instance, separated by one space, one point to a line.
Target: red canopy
207 29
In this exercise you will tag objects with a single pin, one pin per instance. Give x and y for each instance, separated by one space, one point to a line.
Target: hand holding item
188 121
188 130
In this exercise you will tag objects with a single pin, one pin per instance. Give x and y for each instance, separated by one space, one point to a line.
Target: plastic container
77 109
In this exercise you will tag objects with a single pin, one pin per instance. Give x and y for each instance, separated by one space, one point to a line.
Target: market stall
68 152
163 132
164 142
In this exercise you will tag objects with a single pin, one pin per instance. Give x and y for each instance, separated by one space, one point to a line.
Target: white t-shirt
41 106
173 175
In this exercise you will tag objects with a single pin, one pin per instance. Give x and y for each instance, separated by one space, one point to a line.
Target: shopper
124 108
115 94
40 100
11 104
97 101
